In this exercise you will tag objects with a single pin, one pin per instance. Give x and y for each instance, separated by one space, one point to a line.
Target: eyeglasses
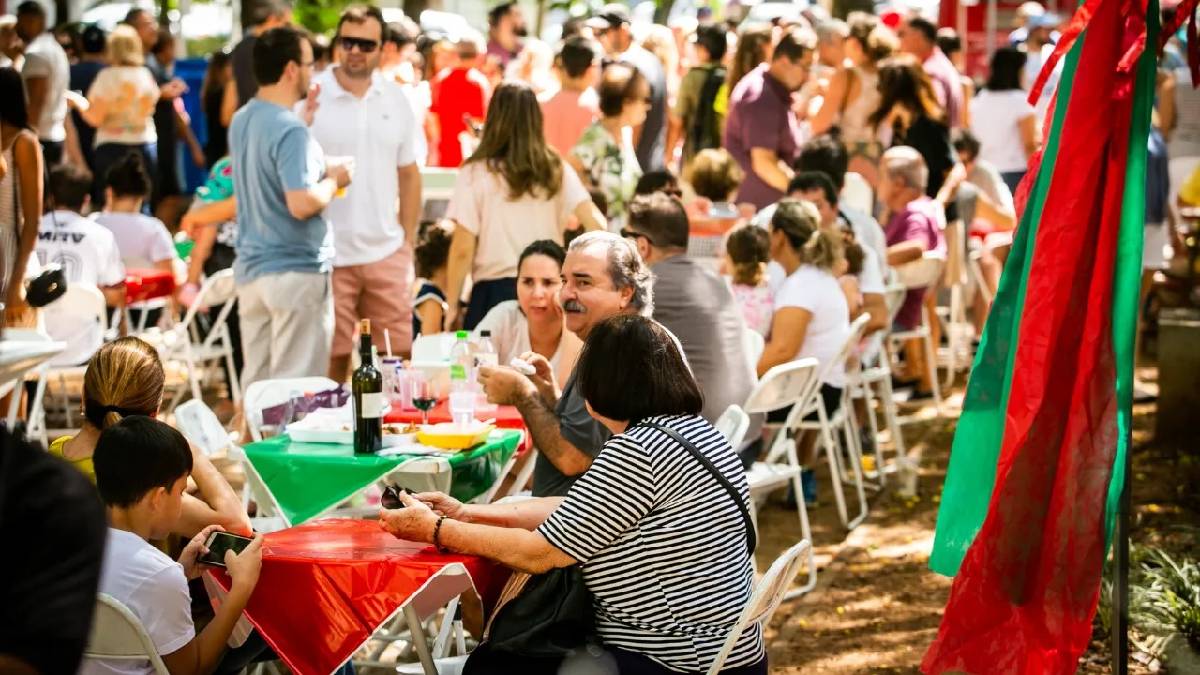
364 46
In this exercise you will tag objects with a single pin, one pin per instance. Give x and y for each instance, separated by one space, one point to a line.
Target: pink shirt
566 114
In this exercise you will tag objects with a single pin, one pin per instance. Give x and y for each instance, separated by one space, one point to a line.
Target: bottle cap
364 327
485 333
461 335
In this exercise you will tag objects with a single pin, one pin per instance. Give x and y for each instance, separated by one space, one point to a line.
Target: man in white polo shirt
361 114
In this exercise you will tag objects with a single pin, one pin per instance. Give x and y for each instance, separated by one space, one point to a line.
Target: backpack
702 133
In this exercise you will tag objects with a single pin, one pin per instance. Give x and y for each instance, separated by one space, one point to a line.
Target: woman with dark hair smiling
909 114
513 191
661 542
534 321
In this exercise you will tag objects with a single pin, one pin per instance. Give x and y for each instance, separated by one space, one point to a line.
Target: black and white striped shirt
663 547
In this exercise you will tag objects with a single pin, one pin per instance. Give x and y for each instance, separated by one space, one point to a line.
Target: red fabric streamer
1024 597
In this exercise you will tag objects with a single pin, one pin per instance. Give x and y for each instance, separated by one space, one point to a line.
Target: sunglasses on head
365 46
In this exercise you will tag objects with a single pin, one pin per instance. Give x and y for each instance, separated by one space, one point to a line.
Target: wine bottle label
372 405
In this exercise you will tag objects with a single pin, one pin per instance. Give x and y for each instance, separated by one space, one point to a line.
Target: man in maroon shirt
506 29
918 37
459 93
761 132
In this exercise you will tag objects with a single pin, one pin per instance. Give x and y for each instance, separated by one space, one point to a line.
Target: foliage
1167 597
320 16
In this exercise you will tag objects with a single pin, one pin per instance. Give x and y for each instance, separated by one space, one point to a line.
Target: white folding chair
923 273
62 322
118 635
733 425
183 343
199 423
956 277
754 344
876 371
768 593
267 393
788 384
825 424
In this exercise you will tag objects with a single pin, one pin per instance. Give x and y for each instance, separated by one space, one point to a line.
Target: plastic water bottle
462 393
485 356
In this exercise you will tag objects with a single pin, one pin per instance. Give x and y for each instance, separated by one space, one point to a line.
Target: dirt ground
877 605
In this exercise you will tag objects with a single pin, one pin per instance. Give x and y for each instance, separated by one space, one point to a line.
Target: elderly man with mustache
603 276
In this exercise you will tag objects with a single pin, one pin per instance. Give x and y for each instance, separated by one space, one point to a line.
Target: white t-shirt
995 121
510 335
131 93
140 238
154 588
817 291
504 227
88 254
379 132
45 58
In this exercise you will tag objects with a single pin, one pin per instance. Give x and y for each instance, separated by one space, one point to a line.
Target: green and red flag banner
1037 465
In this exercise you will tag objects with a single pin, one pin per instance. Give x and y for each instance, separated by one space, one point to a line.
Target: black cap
610 16
92 39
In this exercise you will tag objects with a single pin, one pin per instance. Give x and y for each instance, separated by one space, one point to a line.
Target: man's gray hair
906 164
625 267
827 30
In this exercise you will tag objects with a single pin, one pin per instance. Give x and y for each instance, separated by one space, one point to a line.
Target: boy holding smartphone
142 466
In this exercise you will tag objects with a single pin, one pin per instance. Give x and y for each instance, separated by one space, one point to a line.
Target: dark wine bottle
367 387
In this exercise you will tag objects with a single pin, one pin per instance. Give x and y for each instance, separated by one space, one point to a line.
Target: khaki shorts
380 291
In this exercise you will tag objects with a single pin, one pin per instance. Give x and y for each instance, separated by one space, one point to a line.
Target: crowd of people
827 153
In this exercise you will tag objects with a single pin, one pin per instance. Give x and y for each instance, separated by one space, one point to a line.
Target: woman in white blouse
512 191
534 321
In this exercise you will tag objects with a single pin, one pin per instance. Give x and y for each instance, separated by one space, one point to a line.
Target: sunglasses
390 499
364 46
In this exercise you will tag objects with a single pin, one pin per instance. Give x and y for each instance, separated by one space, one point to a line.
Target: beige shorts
380 291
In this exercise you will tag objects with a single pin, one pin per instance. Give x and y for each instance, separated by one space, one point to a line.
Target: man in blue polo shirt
283 183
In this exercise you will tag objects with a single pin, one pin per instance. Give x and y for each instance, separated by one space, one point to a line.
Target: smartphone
390 499
220 542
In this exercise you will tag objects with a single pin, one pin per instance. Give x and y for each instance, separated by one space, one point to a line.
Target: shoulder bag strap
751 535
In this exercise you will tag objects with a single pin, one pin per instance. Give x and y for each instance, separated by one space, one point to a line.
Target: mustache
573 306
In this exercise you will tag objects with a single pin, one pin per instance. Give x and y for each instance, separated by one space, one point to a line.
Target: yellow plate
453 437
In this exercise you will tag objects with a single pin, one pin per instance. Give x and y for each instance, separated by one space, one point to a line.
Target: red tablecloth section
142 285
507 417
327 586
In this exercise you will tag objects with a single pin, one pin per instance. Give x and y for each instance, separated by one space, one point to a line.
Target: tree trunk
663 11
413 8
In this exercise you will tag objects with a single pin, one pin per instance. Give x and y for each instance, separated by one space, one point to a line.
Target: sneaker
808 483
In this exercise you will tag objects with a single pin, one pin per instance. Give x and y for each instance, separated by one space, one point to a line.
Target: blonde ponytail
125 377
822 250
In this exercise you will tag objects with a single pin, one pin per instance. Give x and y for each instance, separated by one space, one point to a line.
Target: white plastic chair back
216 290
118 635
733 425
432 348
754 344
266 393
784 385
199 423
78 318
922 273
893 297
955 273
768 593
857 328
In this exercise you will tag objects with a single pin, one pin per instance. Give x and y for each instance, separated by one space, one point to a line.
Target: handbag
51 283
542 619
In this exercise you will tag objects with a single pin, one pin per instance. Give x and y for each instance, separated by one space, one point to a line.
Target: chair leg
835 469
855 450
888 401
873 423
931 365
805 529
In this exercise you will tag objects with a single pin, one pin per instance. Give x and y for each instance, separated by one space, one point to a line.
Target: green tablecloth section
307 479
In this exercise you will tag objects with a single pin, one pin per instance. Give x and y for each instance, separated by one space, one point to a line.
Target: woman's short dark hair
137 455
964 141
70 186
1005 72
825 153
433 248
273 50
658 180
631 369
619 83
128 177
545 247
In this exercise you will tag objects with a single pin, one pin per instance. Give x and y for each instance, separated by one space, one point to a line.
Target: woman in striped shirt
661 544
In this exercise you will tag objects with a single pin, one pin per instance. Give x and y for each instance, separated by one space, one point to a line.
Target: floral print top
757 306
612 168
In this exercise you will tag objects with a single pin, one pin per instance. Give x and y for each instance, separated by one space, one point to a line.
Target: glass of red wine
423 398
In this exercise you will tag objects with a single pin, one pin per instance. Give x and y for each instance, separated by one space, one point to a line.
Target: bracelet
437 530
